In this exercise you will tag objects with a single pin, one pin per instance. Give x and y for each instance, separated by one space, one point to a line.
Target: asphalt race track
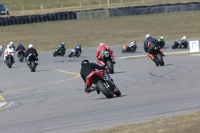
52 99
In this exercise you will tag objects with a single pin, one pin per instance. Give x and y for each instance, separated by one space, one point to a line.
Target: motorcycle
9 60
104 84
21 55
106 58
73 53
59 52
158 59
132 49
32 62
180 44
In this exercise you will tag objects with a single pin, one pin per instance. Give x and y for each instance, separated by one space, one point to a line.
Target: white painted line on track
2 104
168 53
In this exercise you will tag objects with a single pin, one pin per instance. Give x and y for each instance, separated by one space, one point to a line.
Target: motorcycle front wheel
104 90
9 63
70 55
21 57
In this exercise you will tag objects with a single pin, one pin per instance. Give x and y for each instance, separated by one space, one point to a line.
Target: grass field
188 123
113 31
50 6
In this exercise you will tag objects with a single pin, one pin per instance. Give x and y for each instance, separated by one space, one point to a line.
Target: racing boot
151 56
161 52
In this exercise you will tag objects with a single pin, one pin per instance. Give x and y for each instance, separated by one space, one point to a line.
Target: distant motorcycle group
60 51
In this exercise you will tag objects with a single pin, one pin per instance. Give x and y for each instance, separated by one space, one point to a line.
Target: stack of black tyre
18 20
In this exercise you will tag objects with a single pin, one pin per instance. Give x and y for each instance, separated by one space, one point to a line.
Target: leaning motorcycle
158 58
32 62
132 49
59 52
104 84
73 53
9 60
106 58
179 44
21 55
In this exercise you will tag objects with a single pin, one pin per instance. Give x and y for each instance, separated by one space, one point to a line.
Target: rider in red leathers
103 47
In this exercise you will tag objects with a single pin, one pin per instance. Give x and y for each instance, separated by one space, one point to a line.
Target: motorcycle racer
103 47
20 46
86 69
131 45
31 50
10 50
78 49
149 42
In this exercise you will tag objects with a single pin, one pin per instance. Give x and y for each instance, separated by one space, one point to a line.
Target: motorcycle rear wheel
104 90
21 57
33 66
160 59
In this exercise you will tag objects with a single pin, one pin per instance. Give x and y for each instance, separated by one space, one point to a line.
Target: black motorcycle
32 62
106 58
155 51
21 55
180 44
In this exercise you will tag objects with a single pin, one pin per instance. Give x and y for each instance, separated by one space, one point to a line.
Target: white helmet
11 43
30 45
161 37
132 43
102 44
8 45
184 37
63 43
148 35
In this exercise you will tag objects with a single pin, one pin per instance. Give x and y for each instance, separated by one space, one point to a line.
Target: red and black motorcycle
104 83
158 58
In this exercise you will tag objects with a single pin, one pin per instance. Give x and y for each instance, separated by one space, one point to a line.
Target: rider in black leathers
86 69
31 50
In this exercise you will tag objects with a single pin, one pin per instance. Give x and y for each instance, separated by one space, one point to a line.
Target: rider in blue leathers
78 49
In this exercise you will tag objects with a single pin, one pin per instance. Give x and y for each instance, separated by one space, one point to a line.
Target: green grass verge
188 123
113 31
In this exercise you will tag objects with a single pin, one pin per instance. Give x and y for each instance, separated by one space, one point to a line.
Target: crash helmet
11 43
184 38
148 35
30 46
132 43
101 44
8 46
161 37
84 62
19 44
63 43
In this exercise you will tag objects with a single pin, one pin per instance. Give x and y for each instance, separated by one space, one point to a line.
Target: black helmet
84 62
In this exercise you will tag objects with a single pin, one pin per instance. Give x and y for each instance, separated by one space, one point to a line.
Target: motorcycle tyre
33 66
110 66
104 90
160 59
118 93
9 63
123 51
173 46
70 55
21 57
54 54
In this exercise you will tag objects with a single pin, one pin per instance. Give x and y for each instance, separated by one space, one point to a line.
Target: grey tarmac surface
52 100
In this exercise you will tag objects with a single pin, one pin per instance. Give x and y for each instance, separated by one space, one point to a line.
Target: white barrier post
41 6
80 5
194 46
142 2
108 3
